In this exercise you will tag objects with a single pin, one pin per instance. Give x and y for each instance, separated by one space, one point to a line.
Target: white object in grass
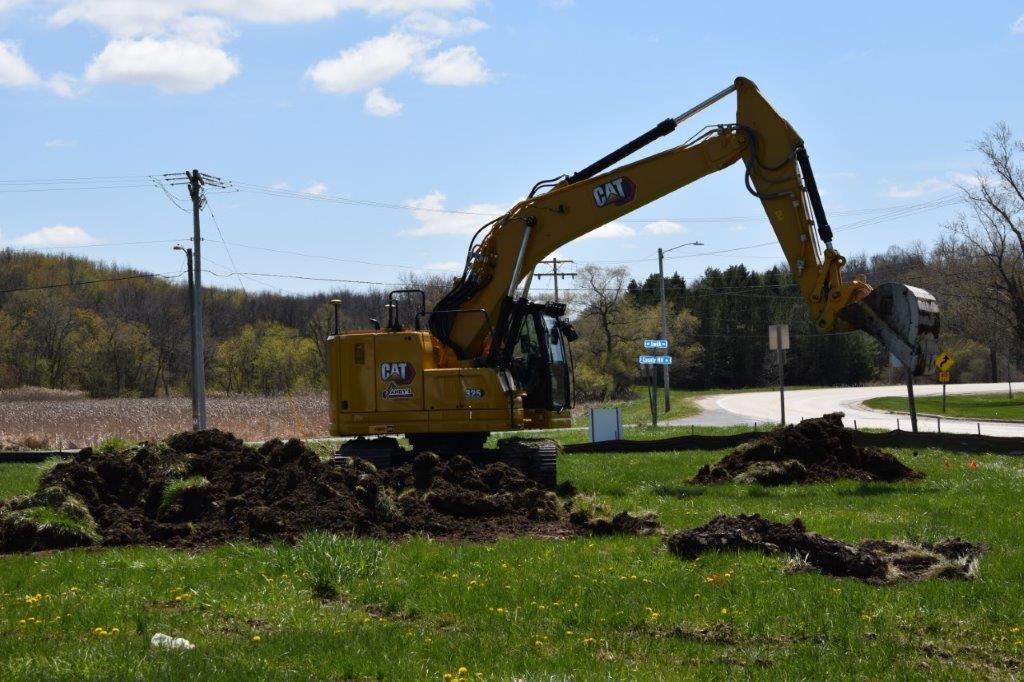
163 641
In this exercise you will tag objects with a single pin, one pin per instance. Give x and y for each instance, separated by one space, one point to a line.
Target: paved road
763 407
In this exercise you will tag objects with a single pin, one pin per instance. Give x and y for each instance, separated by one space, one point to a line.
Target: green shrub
113 444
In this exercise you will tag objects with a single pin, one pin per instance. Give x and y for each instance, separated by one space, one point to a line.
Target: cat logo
399 375
617 192
398 372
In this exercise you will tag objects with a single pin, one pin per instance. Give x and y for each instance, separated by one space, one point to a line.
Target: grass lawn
588 608
970 406
637 411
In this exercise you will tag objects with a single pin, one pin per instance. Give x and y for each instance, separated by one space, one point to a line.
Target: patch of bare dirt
197 489
876 561
813 451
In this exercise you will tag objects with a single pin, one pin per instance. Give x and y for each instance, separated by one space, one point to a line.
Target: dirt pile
201 488
877 561
813 451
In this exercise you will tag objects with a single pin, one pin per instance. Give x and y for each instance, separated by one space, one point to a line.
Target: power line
92 281
91 246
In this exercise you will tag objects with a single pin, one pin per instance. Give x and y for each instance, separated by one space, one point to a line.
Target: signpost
778 340
944 361
652 361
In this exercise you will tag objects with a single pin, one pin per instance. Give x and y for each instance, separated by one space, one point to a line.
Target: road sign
944 361
944 376
655 359
778 337
655 343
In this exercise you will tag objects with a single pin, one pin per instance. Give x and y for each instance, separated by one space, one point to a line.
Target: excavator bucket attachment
904 319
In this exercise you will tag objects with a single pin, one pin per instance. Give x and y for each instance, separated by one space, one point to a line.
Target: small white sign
655 359
778 336
605 424
656 343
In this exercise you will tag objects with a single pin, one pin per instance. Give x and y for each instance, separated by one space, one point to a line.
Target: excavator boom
778 173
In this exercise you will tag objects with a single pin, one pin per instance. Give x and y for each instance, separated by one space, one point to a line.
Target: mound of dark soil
879 561
813 451
201 488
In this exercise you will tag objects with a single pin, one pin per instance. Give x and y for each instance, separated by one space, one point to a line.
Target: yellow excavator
486 358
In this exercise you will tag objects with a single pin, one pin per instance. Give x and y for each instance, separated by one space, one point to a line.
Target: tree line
60 328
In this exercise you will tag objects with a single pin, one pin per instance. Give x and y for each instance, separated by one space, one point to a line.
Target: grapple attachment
905 319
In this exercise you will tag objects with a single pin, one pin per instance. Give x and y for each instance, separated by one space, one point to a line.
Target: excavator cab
540 361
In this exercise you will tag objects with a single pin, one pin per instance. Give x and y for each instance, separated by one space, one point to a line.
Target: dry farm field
40 418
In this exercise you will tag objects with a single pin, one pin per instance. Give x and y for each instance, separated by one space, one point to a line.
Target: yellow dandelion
256 638
725 611
462 670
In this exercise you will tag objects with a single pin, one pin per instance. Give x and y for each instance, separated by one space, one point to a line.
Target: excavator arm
473 318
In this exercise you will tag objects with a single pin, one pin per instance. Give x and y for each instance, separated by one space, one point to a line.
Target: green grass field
528 608
971 406
637 411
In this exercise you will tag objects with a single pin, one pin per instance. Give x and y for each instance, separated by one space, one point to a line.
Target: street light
664 305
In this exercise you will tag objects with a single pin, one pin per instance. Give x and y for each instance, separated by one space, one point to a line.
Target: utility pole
664 310
196 181
555 274
193 336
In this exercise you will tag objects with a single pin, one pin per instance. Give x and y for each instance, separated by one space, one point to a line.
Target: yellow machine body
384 382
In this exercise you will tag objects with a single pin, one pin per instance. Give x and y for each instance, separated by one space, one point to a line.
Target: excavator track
537 458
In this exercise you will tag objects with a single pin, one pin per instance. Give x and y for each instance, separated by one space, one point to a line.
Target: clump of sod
176 490
51 518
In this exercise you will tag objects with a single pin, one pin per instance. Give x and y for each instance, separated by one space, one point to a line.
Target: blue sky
462 105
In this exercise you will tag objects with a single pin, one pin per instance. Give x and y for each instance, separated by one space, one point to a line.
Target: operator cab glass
542 363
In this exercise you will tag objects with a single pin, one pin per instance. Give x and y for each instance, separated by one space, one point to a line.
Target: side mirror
568 331
375 322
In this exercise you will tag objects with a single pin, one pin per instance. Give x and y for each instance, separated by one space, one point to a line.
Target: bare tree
993 231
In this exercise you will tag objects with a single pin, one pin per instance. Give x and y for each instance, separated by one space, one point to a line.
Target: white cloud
173 65
194 30
379 104
14 70
1018 26
447 266
664 227
368 63
461 65
58 235
317 189
429 211
916 189
58 142
931 186
432 24
612 230
62 85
